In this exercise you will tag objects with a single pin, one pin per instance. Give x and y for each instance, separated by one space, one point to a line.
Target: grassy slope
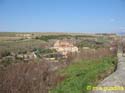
20 45
84 73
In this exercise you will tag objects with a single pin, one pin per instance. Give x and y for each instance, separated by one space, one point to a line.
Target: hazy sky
62 15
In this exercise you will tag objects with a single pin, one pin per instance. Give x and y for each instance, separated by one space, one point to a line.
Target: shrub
26 78
7 61
5 53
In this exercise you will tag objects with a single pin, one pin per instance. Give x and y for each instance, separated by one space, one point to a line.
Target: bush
26 78
48 37
7 61
5 53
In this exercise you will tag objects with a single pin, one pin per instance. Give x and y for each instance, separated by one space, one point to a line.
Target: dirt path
115 83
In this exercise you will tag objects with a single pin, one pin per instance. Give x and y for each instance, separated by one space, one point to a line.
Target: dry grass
9 38
91 54
25 78
37 77
20 46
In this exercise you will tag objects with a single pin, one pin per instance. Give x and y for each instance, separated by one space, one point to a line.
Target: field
24 67
20 45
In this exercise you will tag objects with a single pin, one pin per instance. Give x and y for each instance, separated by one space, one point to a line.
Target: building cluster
64 47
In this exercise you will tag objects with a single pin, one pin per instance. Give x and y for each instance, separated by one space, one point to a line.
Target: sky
87 16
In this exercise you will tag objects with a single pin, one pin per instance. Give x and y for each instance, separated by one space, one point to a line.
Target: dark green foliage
42 51
84 36
48 37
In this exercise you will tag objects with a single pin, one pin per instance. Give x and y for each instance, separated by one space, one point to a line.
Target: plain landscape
62 46
55 62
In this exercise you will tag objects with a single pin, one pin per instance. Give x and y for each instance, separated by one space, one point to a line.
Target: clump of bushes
48 37
30 77
90 43
7 61
5 53
42 51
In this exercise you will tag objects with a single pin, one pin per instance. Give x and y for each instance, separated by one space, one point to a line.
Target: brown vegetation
26 78
39 77
91 54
